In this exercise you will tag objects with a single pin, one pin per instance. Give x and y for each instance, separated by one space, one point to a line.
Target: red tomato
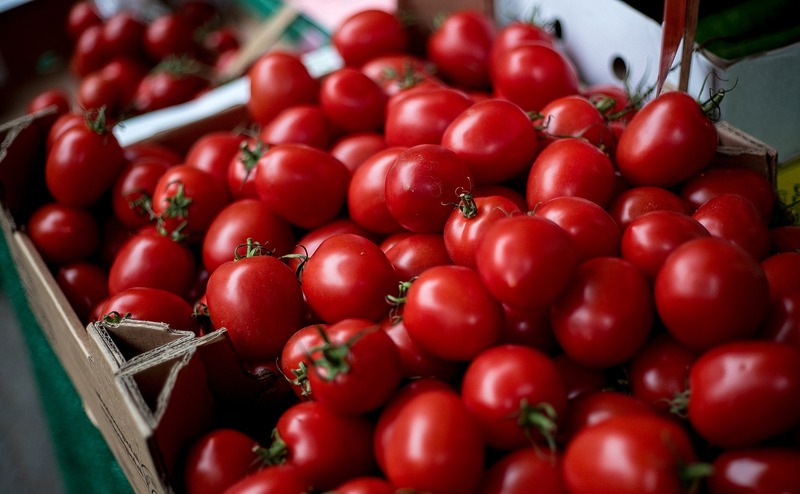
782 323
783 273
398 72
415 361
529 327
81 15
241 220
353 149
95 91
142 303
152 260
423 185
367 34
637 201
668 141
56 100
124 74
299 124
272 480
593 231
85 285
212 152
417 252
366 194
132 192
450 313
310 241
355 369
453 457
720 180
219 459
348 276
351 101
570 167
305 186
495 138
513 34
89 53
630 454
523 471
152 151
460 48
534 74
516 394
259 300
734 218
709 291
755 470
278 80
241 170
604 316
123 34
745 392
63 234
573 116
170 33
660 371
525 261
650 238
83 162
165 87
421 116
590 409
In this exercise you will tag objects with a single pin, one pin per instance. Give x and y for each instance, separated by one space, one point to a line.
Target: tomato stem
115 317
541 418
693 473
397 301
301 379
679 404
276 454
253 249
249 157
96 120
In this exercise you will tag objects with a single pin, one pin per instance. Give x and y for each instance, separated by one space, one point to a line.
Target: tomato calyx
333 358
692 473
182 65
397 301
200 312
301 265
540 418
115 318
679 404
249 157
301 379
96 120
406 78
277 453
252 249
177 208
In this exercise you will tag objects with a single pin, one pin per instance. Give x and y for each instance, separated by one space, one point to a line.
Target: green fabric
87 465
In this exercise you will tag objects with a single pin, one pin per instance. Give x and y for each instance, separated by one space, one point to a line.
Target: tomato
132 192
170 33
495 138
744 392
354 148
423 185
513 34
167 86
142 303
123 34
241 170
523 471
782 323
124 74
186 200
450 313
604 315
299 124
56 100
272 480
734 218
415 361
668 141
659 372
629 454
310 241
62 233
709 291
460 47
355 369
650 238
573 116
152 260
636 201
366 194
219 459
367 34
351 101
326 448
731 180
534 74
258 299
95 91
782 270
525 261
415 253
453 457
365 485
466 226
421 116
83 162
80 16
212 152
241 220
85 284
593 231
89 53
516 394
570 167
220 40
278 80
755 470
348 276
397 72
152 151
590 409
305 186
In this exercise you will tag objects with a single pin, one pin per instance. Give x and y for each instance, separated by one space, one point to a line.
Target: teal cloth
87 464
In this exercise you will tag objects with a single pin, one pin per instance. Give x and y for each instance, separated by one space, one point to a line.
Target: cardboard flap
737 148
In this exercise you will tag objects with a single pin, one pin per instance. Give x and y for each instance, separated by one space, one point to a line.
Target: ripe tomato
529 327
368 34
351 101
258 299
81 15
132 192
310 241
604 316
305 186
415 361
731 180
241 170
171 33
63 234
366 194
423 185
782 323
755 470
523 471
735 218
637 201
85 284
212 152
573 116
782 270
495 138
415 253
56 99
219 459
353 149
590 409
525 261
123 34
299 124
273 480
709 291
460 47
142 303
89 53
668 141
348 276
570 167
513 34
593 231
516 394
450 313
421 116
745 392
168 85
660 371
279 80
398 72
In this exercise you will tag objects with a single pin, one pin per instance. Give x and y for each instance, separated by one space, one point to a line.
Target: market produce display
467 270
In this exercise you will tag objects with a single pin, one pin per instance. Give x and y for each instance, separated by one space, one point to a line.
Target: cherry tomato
299 124
417 252
123 34
460 47
366 194
81 15
354 148
365 485
590 409
142 303
167 86
731 180
279 80
529 327
735 218
782 270
593 231
637 201
513 34
132 192
241 170
755 470
219 459
421 116
63 234
89 53
212 152
573 116
272 480
367 34
85 284
351 101
522 471
660 371
397 72
782 323
56 99
170 33
415 361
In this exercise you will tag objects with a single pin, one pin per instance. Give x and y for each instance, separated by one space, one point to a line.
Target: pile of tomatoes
469 271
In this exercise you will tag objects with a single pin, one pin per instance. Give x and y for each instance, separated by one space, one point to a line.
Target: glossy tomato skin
782 323
593 231
415 361
259 300
151 304
783 273
460 48
573 116
760 380
605 314
170 33
219 459
63 234
735 218
132 192
668 141
163 88
395 73
421 116
525 261
85 284
279 80
423 185
351 101
513 34
505 386
755 470
450 313
272 480
354 148
299 124
593 408
413 254
310 241
731 180
368 34
495 138
660 371
522 471
709 291
366 193
213 152
630 454
530 328
636 201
